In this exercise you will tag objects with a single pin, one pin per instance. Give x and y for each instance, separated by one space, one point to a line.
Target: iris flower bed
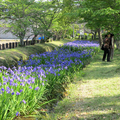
41 76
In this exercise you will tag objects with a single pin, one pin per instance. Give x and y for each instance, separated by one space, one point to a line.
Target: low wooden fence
15 44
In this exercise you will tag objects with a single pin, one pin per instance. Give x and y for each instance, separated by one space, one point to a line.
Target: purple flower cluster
83 43
56 60
19 84
12 79
62 58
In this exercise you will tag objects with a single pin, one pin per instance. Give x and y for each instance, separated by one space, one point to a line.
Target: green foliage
42 15
85 34
28 14
17 18
90 34
50 83
101 14
62 26
97 14
10 106
93 84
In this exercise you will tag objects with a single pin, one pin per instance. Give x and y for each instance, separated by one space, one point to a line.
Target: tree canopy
97 14
42 17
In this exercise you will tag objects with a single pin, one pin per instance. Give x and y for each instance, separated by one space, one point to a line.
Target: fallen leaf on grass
66 115
73 105
84 113
81 99
77 115
59 118
43 110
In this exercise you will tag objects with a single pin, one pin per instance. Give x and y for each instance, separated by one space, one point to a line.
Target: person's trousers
106 52
111 53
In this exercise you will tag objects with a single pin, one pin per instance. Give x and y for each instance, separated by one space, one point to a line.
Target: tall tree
42 15
98 14
101 14
65 19
16 18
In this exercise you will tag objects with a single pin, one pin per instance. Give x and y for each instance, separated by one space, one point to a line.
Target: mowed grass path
95 93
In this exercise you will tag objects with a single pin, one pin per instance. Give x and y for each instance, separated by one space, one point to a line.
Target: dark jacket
107 42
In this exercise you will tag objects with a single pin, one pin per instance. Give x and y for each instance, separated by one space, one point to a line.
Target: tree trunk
57 36
118 44
45 37
73 31
22 41
29 37
60 34
21 36
65 33
54 37
33 39
100 37
95 35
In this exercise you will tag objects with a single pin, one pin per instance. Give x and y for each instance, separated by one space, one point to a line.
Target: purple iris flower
30 87
8 91
17 114
23 101
58 74
37 88
2 89
21 90
66 67
11 90
43 84
4 83
17 93
22 84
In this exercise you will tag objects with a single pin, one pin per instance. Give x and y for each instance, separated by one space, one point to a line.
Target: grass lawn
10 57
94 94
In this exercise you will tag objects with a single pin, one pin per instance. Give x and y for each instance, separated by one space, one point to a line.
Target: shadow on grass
99 69
97 108
50 46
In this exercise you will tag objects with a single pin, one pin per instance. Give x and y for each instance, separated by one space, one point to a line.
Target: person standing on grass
107 44
112 45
